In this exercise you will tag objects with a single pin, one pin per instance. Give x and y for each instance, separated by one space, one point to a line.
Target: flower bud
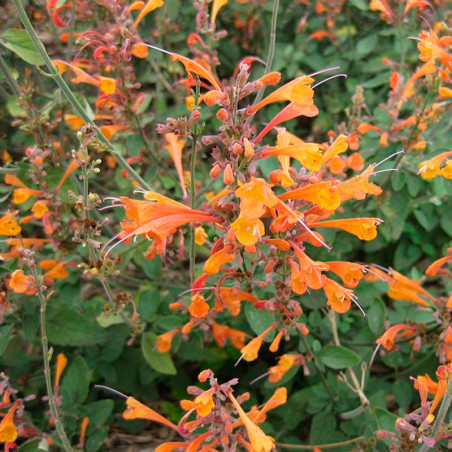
249 150
215 171
222 115
228 175
237 149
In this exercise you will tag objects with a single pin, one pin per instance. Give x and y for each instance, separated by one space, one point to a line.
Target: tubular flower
175 148
8 430
424 384
158 220
428 169
285 363
322 193
310 270
339 298
363 228
255 196
204 403
388 337
21 283
251 350
8 225
231 297
296 91
200 236
403 288
22 193
222 333
431 47
147 8
308 154
202 71
216 6
55 270
339 145
198 308
435 267
350 273
163 342
359 186
218 259
61 364
260 442
136 410
248 231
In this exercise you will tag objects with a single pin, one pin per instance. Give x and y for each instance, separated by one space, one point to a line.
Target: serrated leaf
75 385
338 357
20 43
161 362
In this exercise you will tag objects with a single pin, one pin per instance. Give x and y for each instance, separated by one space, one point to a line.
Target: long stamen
101 209
313 235
322 71
108 243
354 299
237 363
259 378
195 290
385 171
118 243
374 355
114 391
328 79
387 158
156 48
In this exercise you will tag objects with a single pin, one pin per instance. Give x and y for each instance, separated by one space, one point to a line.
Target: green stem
12 83
271 48
46 357
70 95
320 446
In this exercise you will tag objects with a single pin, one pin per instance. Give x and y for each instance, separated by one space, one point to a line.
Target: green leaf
338 357
96 440
161 362
75 385
35 445
20 43
98 412
366 45
376 316
68 327
259 320
5 334
385 419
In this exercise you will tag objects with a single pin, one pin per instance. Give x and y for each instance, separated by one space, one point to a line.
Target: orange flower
175 148
278 398
260 442
217 260
251 350
148 7
350 273
435 267
200 236
293 110
308 154
431 47
339 145
310 271
163 342
193 67
73 166
55 270
324 194
136 410
40 208
61 364
8 225
359 186
296 91
222 333
198 308
107 85
428 169
255 196
403 288
231 297
216 6
21 283
158 220
285 363
388 337
83 428
339 298
22 193
248 231
8 430
204 403
363 228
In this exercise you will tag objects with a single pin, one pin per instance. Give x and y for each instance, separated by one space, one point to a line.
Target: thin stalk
442 413
319 372
271 48
12 83
70 95
192 185
356 384
46 357
320 446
